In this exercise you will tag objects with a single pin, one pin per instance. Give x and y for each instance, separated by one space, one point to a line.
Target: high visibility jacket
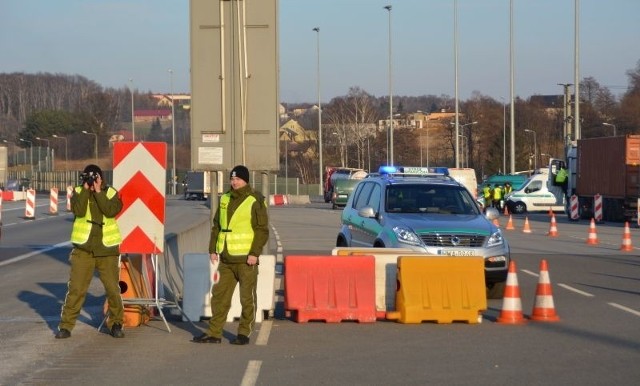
562 175
237 233
497 193
82 225
507 190
486 192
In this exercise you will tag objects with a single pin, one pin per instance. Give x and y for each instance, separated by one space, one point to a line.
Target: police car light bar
413 170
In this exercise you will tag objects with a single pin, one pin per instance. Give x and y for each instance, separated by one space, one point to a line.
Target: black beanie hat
240 171
93 169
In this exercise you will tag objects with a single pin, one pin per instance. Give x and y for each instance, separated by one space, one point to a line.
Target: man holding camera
96 246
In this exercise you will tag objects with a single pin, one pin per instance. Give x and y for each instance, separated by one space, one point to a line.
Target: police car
425 210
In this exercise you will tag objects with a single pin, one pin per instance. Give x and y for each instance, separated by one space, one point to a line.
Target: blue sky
110 41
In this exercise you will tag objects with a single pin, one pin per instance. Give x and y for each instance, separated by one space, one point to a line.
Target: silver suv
427 211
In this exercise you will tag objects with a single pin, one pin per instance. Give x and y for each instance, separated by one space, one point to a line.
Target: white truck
537 194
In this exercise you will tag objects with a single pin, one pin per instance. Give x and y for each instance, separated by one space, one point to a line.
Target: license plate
456 253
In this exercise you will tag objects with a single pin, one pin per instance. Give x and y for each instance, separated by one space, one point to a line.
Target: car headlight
495 239
406 235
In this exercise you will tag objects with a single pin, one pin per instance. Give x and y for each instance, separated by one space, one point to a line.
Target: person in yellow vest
96 246
507 189
561 178
240 231
487 194
497 197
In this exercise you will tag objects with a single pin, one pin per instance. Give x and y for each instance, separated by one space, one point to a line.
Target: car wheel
519 208
341 242
496 290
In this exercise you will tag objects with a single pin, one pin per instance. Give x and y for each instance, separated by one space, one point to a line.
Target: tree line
352 136
44 104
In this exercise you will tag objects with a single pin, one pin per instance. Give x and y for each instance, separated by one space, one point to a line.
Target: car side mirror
367 212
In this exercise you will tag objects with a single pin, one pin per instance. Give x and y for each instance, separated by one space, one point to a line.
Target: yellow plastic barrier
440 289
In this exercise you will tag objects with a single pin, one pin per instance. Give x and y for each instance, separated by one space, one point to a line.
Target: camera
89 178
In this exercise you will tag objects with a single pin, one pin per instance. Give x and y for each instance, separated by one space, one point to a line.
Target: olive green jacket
259 223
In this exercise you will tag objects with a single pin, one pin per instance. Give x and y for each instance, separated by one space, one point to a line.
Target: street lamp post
390 135
30 153
320 170
465 145
461 130
66 159
535 149
46 158
504 136
173 137
610 125
96 142
133 116
455 85
15 151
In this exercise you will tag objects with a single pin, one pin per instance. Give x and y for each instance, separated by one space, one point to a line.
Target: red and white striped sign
573 204
30 205
139 174
69 194
597 207
53 201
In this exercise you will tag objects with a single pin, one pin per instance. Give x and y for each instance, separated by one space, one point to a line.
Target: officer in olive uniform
240 231
96 246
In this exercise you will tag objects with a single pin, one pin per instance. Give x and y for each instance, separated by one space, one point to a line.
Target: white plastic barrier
196 301
386 260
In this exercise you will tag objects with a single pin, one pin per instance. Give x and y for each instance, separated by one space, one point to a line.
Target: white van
537 194
466 177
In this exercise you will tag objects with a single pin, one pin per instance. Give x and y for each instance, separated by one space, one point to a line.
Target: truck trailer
605 166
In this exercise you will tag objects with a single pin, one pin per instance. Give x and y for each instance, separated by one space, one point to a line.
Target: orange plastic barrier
131 287
330 288
440 289
7 195
278 199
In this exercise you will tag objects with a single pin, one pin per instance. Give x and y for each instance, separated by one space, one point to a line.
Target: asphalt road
595 288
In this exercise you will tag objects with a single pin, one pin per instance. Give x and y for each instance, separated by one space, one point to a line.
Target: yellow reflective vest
486 192
82 226
237 233
497 193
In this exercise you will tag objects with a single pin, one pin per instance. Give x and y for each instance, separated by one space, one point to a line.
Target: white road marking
529 272
575 290
623 308
251 373
263 334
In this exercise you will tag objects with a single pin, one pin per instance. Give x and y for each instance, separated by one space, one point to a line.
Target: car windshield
422 198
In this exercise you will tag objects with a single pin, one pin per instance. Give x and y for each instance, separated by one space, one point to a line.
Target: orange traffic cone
626 239
510 224
593 236
550 212
496 222
543 308
506 210
511 312
526 229
553 229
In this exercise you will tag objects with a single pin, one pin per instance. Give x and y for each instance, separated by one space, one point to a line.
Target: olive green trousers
83 266
222 293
